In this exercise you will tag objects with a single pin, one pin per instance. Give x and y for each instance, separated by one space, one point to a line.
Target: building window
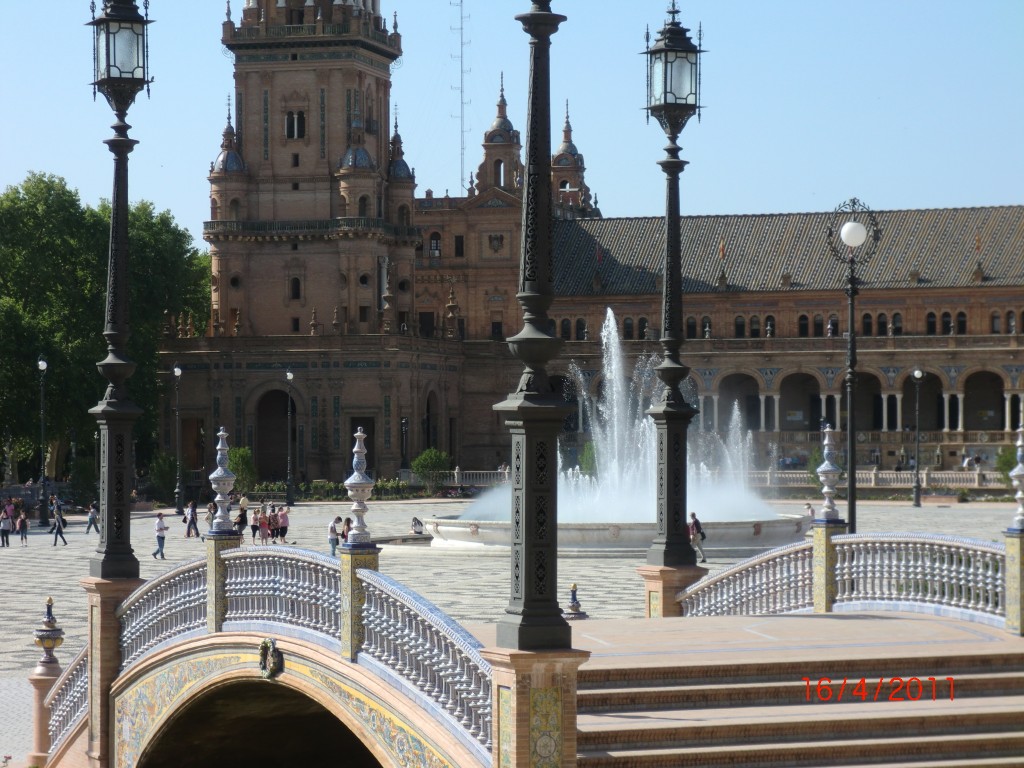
566 328
641 328
435 245
1011 322
755 327
364 314
705 324
802 327
295 186
740 326
295 125
627 328
364 207
403 216
691 327
997 323
460 246
819 326
947 323
961 323
866 325
295 325
581 329
833 325
769 325
295 160
295 288
496 331
883 325
930 328
897 324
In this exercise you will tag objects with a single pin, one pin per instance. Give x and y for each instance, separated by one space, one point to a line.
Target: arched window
769 325
740 326
883 325
691 327
802 327
961 323
403 216
947 323
641 328
930 327
755 327
997 323
866 325
627 328
1011 322
233 209
566 328
295 125
435 245
499 174
364 206
833 325
819 325
214 210
897 324
705 326
581 329
295 286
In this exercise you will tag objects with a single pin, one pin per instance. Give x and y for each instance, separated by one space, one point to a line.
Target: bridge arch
193 697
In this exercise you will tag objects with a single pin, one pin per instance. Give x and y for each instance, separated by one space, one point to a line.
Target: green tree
241 462
429 464
588 459
53 276
1006 460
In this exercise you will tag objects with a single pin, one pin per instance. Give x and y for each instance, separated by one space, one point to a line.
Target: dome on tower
501 121
228 161
398 169
357 157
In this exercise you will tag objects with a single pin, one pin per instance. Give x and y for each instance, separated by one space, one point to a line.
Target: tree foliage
428 464
242 464
53 279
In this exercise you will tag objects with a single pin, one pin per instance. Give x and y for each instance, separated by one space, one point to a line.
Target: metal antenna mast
463 102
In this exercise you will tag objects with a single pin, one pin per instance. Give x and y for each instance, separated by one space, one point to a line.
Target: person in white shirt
161 528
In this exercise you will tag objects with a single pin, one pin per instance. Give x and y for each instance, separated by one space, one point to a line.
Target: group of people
337 532
268 521
12 521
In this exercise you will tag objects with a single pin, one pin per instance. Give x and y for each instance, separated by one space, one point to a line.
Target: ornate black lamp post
405 441
289 488
178 491
121 53
860 227
918 378
673 98
535 411
44 507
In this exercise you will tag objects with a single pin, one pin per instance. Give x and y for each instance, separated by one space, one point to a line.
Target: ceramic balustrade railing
909 570
415 640
777 581
68 700
297 588
163 608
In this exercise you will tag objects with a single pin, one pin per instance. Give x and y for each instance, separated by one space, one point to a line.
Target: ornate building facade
391 308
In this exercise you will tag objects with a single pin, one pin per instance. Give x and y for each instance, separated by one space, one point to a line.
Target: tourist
273 522
93 519
160 528
332 535
416 527
282 525
241 522
191 521
697 535
59 523
254 523
264 527
243 505
810 509
211 513
346 529
6 526
21 526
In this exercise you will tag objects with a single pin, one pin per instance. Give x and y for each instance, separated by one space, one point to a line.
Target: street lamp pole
121 58
289 495
852 234
673 98
918 378
179 507
44 509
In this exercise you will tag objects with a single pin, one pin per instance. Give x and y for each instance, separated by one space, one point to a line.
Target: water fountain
615 507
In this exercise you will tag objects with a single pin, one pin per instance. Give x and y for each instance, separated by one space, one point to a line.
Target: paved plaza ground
471 586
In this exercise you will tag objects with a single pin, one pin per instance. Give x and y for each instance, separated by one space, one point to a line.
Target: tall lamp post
44 509
673 98
860 226
121 58
918 378
289 488
178 490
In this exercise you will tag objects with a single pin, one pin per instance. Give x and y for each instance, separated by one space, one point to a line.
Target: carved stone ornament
496 242
271 660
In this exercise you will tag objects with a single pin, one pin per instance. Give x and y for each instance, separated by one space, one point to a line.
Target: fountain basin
731 538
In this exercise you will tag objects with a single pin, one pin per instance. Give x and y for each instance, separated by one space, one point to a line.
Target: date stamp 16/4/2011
883 689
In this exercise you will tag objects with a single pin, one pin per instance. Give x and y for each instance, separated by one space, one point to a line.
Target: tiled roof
625 256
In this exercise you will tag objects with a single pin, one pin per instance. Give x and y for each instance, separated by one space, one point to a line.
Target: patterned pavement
472 587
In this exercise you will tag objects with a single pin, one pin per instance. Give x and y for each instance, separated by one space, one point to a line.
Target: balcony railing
321 227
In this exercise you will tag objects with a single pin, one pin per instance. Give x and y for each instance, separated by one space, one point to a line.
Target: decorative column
358 551
824 528
764 411
49 637
945 411
899 411
1015 548
221 537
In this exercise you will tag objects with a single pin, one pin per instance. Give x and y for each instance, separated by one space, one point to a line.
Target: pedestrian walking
6 526
93 520
254 524
273 522
160 528
59 523
333 534
191 520
697 536
21 526
282 522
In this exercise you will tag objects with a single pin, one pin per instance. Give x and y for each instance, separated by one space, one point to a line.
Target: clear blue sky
902 103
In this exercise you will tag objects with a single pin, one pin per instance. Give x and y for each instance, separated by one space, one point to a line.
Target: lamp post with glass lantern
673 98
44 509
853 234
121 58
289 490
918 378
178 490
